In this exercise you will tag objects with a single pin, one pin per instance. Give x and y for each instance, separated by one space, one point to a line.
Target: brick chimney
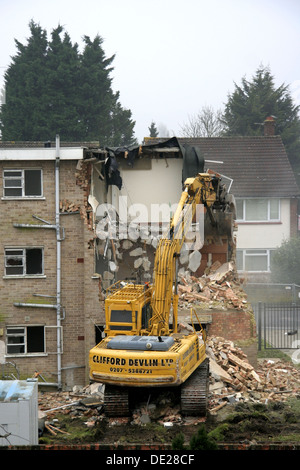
269 126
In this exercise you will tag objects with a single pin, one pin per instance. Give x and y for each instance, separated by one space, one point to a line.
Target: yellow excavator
142 347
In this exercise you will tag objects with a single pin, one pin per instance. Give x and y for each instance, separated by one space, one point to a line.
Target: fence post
259 326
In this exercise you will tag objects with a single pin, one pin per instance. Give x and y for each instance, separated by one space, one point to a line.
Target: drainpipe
58 262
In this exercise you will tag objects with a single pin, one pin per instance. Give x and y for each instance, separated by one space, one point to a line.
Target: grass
75 431
270 353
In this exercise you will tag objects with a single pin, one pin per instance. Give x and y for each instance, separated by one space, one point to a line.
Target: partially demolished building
74 219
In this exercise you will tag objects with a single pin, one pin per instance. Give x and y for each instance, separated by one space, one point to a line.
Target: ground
259 409
241 423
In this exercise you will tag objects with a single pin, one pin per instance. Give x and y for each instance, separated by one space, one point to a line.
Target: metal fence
278 325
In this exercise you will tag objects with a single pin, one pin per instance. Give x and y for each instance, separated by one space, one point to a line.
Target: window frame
22 186
255 252
269 219
22 257
23 333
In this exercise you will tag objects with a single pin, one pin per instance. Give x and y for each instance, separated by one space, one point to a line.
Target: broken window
22 183
25 339
258 210
254 260
23 261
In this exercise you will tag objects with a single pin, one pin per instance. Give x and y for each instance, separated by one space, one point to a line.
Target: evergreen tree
153 132
252 102
285 262
25 86
63 64
103 116
96 93
51 88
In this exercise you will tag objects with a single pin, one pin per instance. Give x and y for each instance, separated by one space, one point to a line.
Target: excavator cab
127 309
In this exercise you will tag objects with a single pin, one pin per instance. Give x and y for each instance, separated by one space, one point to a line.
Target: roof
258 166
35 151
40 154
40 144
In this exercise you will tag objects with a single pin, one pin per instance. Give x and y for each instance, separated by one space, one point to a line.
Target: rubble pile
218 285
81 402
233 378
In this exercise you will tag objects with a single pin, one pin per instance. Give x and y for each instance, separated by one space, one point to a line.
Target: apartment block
50 309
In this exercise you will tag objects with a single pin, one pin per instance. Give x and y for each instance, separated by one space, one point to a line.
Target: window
146 315
258 210
120 316
254 260
25 339
23 261
22 183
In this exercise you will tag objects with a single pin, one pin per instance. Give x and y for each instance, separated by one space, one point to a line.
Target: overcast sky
172 57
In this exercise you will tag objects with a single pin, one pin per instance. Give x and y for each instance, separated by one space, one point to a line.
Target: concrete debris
126 244
136 252
194 261
137 263
113 266
184 257
219 285
107 275
146 264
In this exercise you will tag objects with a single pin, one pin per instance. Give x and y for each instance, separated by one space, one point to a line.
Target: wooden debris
54 430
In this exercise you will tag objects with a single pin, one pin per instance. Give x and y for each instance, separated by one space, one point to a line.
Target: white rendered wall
268 235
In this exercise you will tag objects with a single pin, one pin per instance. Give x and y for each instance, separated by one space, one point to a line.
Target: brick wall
79 288
237 326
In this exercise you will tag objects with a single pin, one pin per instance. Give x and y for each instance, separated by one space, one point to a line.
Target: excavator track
116 401
194 392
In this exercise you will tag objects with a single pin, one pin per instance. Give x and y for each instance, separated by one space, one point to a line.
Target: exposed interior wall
152 181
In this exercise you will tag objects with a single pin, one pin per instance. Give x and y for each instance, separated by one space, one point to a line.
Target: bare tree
206 123
162 130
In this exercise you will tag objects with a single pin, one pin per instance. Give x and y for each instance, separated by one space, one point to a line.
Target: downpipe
58 262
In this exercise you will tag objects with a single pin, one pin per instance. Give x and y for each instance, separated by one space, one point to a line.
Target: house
260 177
255 170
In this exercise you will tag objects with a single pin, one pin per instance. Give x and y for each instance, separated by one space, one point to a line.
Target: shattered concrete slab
194 261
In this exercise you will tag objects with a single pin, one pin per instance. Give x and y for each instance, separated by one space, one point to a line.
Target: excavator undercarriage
193 395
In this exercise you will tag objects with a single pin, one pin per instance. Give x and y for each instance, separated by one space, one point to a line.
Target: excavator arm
205 189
